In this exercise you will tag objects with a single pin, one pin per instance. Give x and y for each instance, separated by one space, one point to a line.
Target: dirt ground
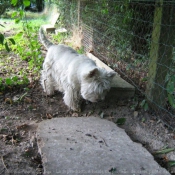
21 111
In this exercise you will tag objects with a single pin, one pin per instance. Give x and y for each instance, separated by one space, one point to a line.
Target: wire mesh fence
134 37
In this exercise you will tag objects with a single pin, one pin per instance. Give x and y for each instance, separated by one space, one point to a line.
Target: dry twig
4 164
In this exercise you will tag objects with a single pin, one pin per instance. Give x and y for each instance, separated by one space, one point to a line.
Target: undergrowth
23 59
21 63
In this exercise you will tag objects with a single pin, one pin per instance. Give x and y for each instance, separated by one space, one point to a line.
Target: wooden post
161 53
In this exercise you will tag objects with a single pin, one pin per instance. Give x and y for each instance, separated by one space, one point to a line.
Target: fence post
160 53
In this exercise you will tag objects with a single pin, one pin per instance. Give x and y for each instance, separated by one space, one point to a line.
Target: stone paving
91 146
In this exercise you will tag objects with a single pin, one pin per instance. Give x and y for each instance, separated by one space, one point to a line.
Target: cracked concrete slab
91 146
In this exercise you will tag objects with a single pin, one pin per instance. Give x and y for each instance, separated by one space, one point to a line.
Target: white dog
77 76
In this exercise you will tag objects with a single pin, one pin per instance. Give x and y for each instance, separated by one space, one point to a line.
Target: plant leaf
171 100
146 107
171 163
113 170
14 14
12 41
15 78
170 87
21 13
1 79
121 121
19 34
17 20
8 81
1 38
142 103
26 3
2 25
14 2
7 47
165 151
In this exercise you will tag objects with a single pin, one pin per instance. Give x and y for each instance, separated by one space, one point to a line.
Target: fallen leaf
136 113
22 126
8 100
49 116
6 137
28 100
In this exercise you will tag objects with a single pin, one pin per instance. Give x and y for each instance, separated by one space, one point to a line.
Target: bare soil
19 120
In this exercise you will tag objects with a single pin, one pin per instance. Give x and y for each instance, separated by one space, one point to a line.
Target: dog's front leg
47 82
72 99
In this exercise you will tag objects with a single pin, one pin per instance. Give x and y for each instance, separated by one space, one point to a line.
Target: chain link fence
134 37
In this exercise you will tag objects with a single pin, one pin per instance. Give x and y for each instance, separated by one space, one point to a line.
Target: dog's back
64 55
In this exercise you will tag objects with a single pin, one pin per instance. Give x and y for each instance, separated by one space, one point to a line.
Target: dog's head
96 83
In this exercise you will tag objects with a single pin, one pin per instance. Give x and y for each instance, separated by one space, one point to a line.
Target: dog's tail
43 39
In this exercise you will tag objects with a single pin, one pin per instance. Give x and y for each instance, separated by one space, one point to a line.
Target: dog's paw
73 112
76 110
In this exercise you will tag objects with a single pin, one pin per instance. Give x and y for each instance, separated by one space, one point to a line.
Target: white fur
75 75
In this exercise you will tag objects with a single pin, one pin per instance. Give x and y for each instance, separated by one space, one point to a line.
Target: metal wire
134 37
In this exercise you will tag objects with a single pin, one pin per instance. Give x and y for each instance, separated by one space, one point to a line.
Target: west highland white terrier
77 76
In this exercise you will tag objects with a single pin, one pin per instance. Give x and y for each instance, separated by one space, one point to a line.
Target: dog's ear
111 74
92 73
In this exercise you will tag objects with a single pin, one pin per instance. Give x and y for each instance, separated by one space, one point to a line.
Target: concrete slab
51 26
120 88
91 146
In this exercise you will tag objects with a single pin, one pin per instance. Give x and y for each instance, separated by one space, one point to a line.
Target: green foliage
1 38
121 121
16 81
14 2
59 38
144 105
165 150
5 41
13 81
171 90
81 50
28 46
26 3
171 163
113 171
68 13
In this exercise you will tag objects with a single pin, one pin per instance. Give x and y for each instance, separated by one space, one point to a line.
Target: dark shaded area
36 6
141 26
